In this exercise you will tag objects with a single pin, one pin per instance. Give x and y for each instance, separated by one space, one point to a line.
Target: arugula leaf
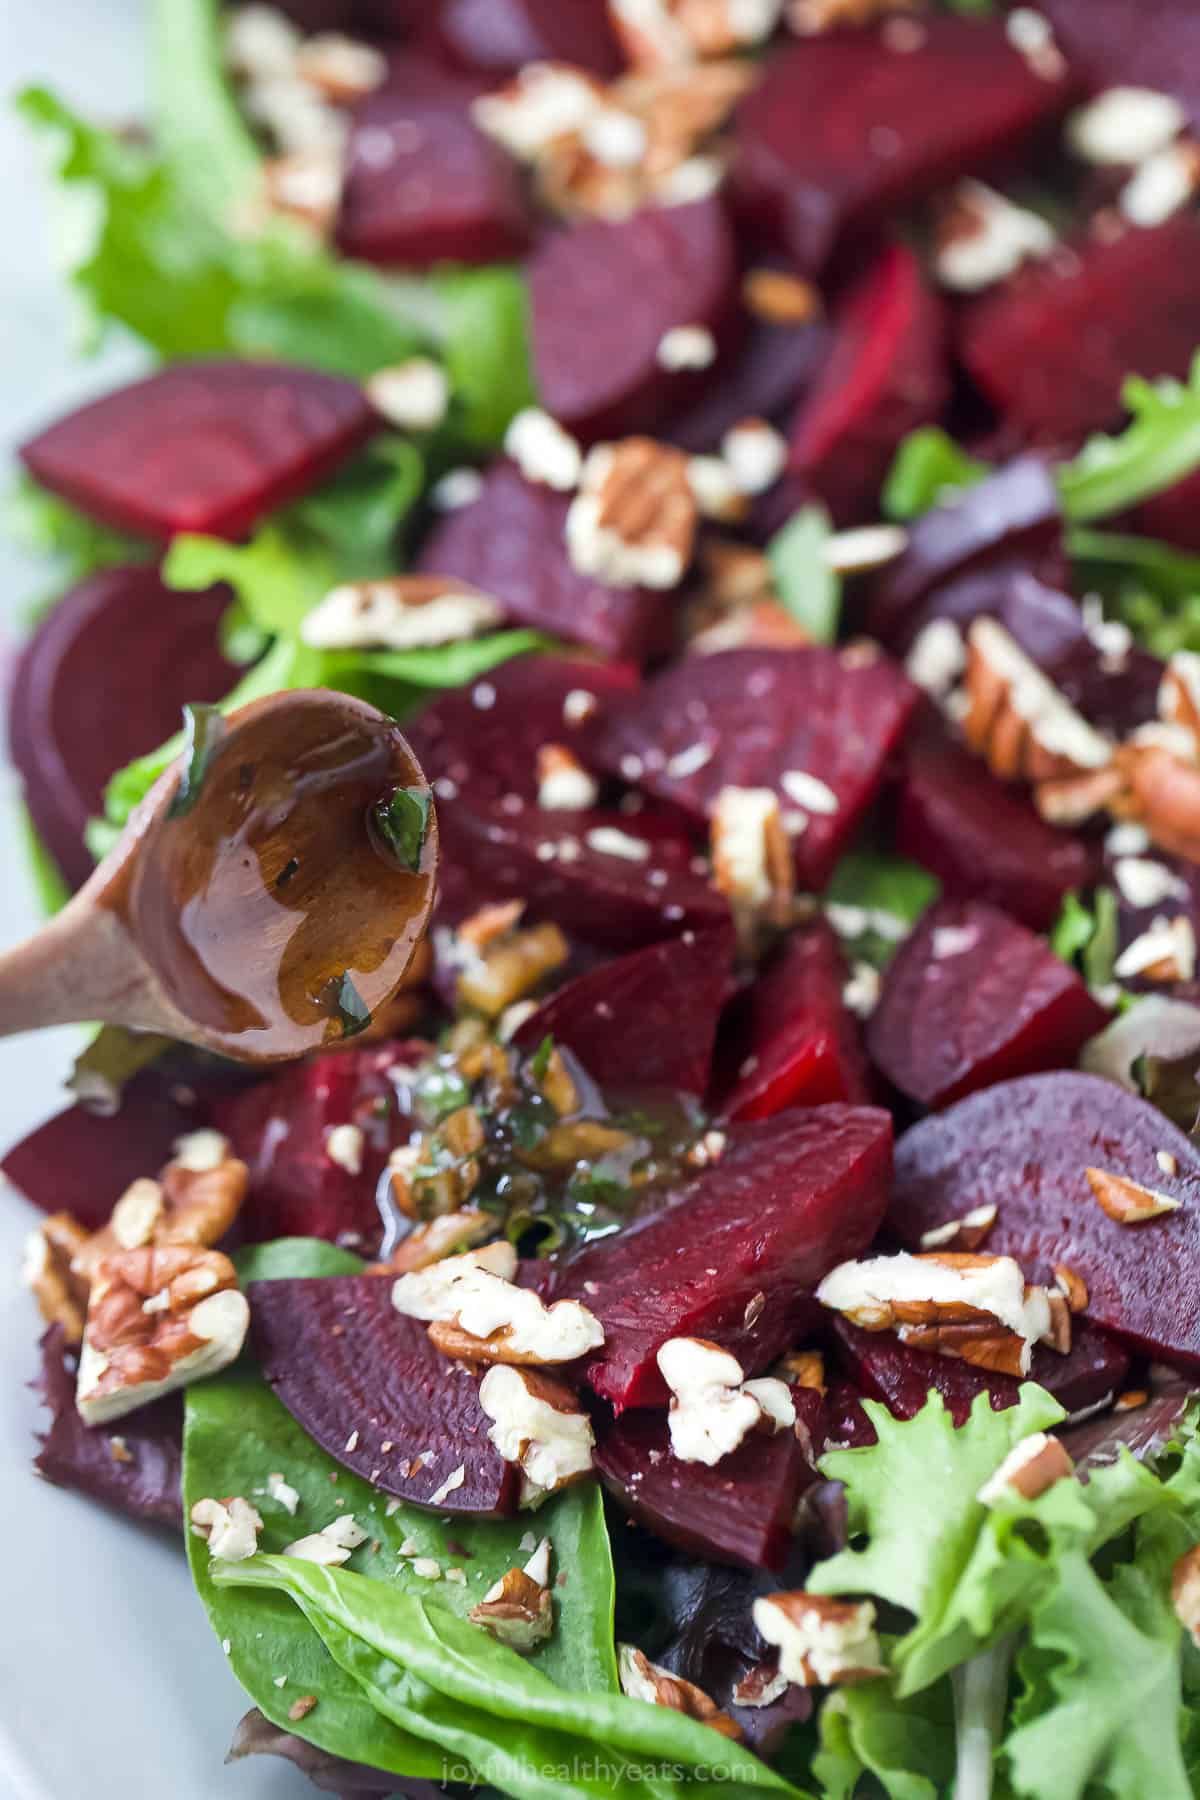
929 467
514 1724
196 119
1088 936
916 1553
359 513
874 899
484 338
401 822
804 581
1159 446
275 583
40 522
1072 931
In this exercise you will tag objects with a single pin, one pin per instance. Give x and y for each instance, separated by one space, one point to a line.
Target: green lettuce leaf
871 887
197 123
906 1745
917 1552
77 546
482 332
1159 446
804 581
929 467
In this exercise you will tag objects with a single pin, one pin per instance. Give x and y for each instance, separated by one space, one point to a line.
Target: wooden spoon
261 901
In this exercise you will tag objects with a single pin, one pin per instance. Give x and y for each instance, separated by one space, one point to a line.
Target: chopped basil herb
402 821
352 1009
203 728
540 1060
288 870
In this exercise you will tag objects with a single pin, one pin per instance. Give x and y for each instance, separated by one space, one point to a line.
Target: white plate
111 1683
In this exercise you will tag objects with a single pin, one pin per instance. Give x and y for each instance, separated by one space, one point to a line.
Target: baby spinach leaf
532 1720
929 467
804 581
287 1257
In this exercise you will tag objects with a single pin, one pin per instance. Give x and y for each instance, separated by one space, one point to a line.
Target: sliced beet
137 1473
1012 514
901 1376
886 373
1132 43
1051 348
981 838
848 1426
765 715
1023 1147
739 1511
844 131
201 446
81 1161
791 1040
352 1371
764 379
498 37
104 678
788 1199
617 287
972 998
646 1022
509 542
280 1127
1174 514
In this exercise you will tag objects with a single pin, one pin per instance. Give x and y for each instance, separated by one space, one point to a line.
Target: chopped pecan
763 625
230 1527
1185 1592
448 1235
982 1343
981 237
967 1233
760 1686
1165 951
713 1407
803 1368
510 966
1179 693
633 522
1128 1202
1031 1467
60 1290
780 298
1074 799
537 1424
1060 1333
1072 1286
1160 789
194 1202
667 33
157 1318
306 186
643 1680
752 857
1018 720
341 68
518 1608
399 612
822 1642
563 782
477 1313
967 1305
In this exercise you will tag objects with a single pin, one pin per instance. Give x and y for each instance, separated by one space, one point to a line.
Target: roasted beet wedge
788 1199
738 1512
972 998
765 716
81 1161
423 184
790 1040
1024 1147
336 1349
1013 515
510 543
137 1473
887 372
280 1127
645 1023
764 379
1052 348
617 287
1094 1370
844 130
498 37
981 838
201 446
105 675
1174 515
1132 43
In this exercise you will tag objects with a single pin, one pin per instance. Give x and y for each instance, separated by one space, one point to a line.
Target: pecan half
48 1271
1128 1202
508 966
1017 719
399 612
643 1680
157 1318
633 522
822 1642
537 1424
518 1608
752 857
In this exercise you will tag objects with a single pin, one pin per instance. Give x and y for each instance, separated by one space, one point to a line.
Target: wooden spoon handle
82 966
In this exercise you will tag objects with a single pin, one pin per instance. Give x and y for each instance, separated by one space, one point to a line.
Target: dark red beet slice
887 372
765 714
848 1425
646 1022
103 678
791 1041
81 1162
1094 1369
1023 1146
280 1128
981 838
789 1198
1143 1430
738 1512
201 446
618 286
1051 349
498 37
144 1480
510 543
1132 43
350 1369
763 379
1173 515
972 998
844 131
1014 513
423 184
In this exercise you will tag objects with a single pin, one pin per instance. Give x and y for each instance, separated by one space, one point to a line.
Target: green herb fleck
929 468
352 1010
804 581
402 821
203 728
540 1061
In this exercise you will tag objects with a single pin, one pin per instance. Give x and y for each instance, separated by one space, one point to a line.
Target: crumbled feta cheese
756 454
1144 882
1127 839
282 1491
808 791
686 347
953 940
476 1291
1171 942
455 489
609 840
200 1151
543 451
578 705
714 1408
1125 125
344 1146
413 395
861 992
1161 186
